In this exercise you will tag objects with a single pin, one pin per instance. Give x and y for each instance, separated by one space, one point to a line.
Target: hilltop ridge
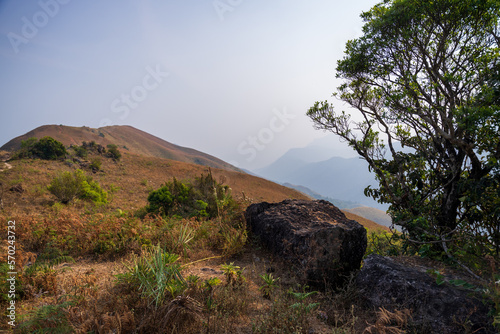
128 139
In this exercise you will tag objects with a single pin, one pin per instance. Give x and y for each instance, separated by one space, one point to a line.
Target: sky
231 78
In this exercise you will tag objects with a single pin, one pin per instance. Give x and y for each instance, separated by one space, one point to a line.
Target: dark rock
18 188
444 308
315 236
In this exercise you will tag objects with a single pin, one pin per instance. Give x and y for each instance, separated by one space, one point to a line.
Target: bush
113 152
80 151
46 148
67 186
95 165
205 198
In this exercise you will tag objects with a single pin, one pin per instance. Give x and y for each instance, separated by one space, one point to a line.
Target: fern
51 319
48 265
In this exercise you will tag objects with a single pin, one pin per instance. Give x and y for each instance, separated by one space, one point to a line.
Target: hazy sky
232 78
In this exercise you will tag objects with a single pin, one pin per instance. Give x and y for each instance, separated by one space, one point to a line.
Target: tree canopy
425 80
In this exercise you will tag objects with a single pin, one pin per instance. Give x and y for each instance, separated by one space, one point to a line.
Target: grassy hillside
76 261
128 138
133 177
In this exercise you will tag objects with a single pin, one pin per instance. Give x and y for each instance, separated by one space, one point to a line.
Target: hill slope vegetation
127 138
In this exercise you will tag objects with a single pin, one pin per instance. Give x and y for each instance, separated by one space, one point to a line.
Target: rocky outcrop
314 236
444 308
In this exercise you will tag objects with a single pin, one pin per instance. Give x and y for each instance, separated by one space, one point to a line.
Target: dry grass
389 322
103 238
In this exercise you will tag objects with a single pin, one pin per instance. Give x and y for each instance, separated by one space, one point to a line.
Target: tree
425 79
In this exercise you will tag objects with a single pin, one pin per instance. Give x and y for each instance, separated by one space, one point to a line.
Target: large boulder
314 236
386 283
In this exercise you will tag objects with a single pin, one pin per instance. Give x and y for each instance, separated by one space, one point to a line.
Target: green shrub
67 186
80 151
204 198
46 148
50 149
113 152
95 165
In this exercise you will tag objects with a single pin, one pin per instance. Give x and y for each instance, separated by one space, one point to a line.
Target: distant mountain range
314 171
333 177
337 202
127 138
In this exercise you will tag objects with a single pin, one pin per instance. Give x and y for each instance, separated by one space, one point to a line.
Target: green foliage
95 164
234 274
287 315
186 234
205 198
210 283
156 275
50 319
113 152
80 151
67 186
42 265
385 244
46 148
425 78
269 286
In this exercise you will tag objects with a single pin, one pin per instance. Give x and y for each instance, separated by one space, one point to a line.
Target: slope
126 137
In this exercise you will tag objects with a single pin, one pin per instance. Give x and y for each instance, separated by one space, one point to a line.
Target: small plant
186 234
269 286
193 282
234 275
303 308
234 239
157 276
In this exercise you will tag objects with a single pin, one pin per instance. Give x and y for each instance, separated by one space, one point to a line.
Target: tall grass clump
156 274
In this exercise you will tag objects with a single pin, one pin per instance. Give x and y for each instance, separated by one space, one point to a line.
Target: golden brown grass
103 238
